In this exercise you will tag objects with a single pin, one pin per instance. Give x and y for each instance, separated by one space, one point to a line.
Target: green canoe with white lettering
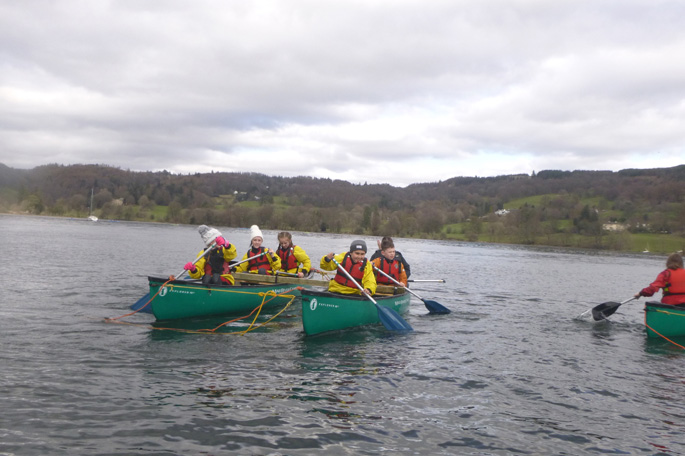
323 311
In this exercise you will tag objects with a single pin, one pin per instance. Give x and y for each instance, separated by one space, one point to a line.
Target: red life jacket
356 270
216 261
676 283
392 268
288 260
258 263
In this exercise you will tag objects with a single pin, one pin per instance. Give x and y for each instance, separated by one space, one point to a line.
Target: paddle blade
392 320
141 302
604 310
435 307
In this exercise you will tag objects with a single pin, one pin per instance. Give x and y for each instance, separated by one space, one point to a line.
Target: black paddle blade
435 307
604 310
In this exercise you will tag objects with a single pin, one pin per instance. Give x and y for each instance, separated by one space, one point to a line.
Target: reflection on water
511 370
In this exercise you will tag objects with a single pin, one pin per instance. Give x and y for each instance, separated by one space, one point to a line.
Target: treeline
550 207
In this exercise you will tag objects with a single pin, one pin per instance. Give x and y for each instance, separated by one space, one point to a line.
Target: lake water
510 371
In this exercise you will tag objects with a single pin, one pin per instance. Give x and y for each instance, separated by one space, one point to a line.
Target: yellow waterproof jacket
229 254
304 263
368 281
270 256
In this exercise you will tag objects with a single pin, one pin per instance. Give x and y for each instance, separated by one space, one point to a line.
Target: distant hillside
572 208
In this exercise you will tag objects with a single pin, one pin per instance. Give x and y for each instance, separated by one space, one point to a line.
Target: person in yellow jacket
214 266
356 264
294 260
268 263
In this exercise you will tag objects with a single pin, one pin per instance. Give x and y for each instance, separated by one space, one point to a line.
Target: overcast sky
377 91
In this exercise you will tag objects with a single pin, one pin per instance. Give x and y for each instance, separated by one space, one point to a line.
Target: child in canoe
356 265
389 264
671 281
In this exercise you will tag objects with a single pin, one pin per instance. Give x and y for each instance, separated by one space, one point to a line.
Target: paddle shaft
198 258
247 259
427 280
354 281
397 282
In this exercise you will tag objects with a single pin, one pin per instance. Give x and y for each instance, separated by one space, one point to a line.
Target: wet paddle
606 309
143 301
432 306
390 319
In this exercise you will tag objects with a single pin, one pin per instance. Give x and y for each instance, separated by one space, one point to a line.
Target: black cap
358 245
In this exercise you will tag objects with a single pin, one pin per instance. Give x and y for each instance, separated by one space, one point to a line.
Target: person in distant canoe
398 255
389 264
214 266
671 281
268 263
356 264
294 260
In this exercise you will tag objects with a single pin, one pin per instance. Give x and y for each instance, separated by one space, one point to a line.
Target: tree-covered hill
599 209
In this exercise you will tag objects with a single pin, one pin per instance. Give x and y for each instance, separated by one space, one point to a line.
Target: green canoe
324 311
664 320
190 299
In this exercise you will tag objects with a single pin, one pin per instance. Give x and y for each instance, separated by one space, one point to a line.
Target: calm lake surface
511 370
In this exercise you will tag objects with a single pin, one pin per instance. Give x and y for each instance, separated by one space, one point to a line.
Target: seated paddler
214 267
294 260
258 259
389 264
671 282
356 265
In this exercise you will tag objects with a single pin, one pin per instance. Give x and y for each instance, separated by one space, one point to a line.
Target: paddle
427 280
390 319
432 306
247 259
142 302
604 310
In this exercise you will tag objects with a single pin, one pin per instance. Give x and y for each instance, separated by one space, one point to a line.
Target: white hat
255 231
208 234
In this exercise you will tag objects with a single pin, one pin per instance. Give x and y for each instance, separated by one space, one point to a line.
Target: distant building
614 227
502 212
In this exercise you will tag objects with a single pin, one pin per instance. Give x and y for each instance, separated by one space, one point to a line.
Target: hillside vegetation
625 210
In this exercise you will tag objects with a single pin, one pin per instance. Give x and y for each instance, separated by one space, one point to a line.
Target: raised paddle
604 310
432 306
142 302
390 319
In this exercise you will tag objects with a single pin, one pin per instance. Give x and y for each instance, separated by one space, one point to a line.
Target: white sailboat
91 217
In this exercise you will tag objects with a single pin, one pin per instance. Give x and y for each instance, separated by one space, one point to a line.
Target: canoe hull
664 319
189 299
323 311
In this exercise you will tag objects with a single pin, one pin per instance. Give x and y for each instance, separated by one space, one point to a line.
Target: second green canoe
324 311
190 299
664 320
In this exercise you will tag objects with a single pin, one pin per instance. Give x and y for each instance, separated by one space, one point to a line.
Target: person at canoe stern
214 267
294 260
390 264
671 281
398 255
268 263
356 264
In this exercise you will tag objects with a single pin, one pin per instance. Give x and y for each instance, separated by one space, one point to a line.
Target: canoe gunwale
355 297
